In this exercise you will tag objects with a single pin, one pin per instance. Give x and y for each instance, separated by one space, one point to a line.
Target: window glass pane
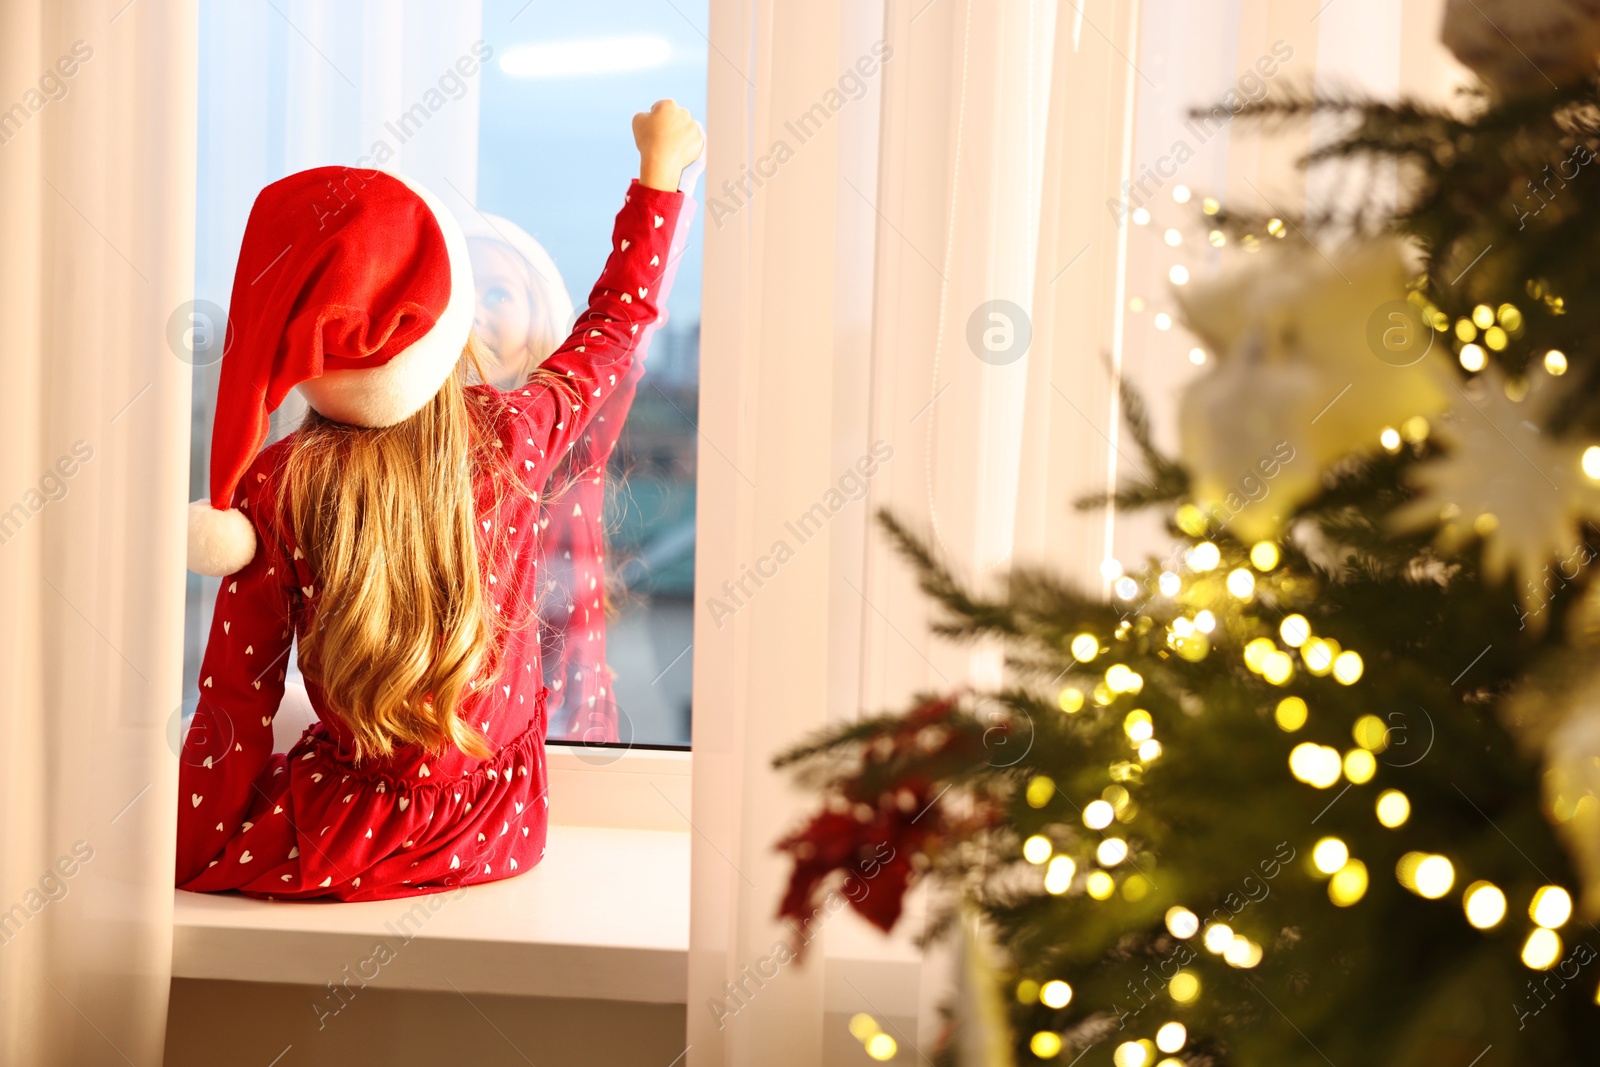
554 155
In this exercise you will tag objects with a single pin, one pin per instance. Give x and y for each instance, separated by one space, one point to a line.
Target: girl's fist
669 140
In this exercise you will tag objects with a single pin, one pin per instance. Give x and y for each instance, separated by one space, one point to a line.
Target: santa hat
354 285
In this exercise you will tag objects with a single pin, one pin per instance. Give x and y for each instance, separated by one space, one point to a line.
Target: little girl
395 534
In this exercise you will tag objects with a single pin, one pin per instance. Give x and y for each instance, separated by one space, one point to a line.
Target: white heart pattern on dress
195 799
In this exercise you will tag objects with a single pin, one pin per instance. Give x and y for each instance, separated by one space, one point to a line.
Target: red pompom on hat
353 284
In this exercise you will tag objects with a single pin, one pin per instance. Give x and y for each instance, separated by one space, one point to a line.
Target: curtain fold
1015 145
97 138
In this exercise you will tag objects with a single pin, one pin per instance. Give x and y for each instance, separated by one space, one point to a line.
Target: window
535 139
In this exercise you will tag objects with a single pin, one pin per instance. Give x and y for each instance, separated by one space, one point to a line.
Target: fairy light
1264 555
1510 317
1483 316
1360 765
1111 568
1169 583
1131 1054
1347 668
1390 440
1112 851
1163 321
1037 849
1138 725
1542 949
1591 462
1276 227
1429 876
1182 923
1415 429
1058 875
1256 652
1317 654
1218 937
1055 994
1172 1037
1045 1044
1370 733
1241 583
1295 630
1040 789
1555 362
1085 647
1136 304
1097 815
1277 667
1291 714
1551 907
1242 953
1484 904
1210 205
1473 357
1197 356
1203 557
1184 987
1126 588
1205 622
1172 237
1100 885
1141 217
863 1026
1495 338
1149 750
1329 855
1120 678
1071 700
1316 765
1393 808
1348 885
882 1047
1181 194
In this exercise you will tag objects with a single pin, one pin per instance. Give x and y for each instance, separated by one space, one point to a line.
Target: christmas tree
1322 786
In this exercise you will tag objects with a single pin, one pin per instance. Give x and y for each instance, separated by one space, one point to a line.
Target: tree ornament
1524 47
1296 378
1520 490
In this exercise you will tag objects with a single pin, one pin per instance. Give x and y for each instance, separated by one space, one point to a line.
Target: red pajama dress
313 822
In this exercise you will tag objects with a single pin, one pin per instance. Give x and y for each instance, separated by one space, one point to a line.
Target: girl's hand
669 140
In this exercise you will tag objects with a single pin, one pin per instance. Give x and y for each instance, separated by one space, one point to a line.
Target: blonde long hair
387 521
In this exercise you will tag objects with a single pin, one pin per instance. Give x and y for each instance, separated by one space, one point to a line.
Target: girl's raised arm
570 386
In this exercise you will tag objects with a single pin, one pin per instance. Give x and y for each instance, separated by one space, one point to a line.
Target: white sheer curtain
97 212
992 173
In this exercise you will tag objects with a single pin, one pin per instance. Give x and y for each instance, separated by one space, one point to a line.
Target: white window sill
604 916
